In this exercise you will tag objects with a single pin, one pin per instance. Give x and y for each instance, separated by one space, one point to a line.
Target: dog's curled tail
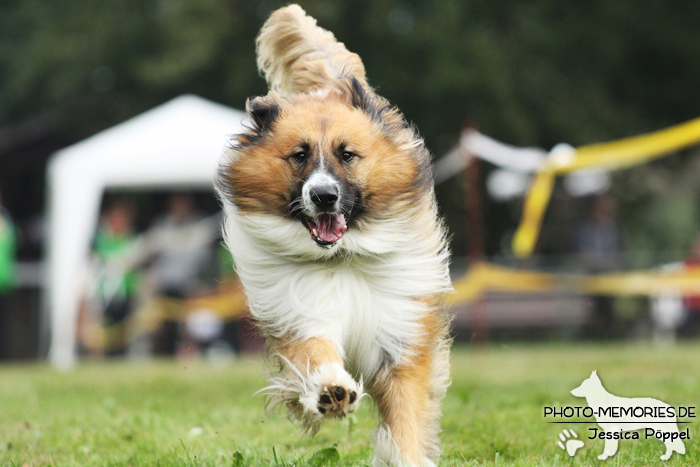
295 55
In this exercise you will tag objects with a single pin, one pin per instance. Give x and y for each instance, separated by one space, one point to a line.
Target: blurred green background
527 73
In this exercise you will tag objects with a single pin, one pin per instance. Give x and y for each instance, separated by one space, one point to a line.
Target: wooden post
474 220
473 204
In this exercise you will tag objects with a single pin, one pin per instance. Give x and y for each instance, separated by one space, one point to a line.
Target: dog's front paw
326 392
336 401
332 392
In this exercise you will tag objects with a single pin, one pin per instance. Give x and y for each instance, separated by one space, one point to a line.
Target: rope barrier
483 277
614 155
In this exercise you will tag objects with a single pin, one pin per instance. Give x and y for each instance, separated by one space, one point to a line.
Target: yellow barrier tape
533 213
484 277
684 282
227 305
636 150
611 156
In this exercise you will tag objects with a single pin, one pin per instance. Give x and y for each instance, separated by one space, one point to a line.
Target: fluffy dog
332 223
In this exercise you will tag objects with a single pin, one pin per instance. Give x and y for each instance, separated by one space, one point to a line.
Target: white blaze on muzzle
321 195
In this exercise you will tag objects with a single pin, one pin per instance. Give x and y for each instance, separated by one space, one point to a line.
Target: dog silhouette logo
617 416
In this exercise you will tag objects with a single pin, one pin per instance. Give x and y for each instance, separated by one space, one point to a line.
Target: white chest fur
367 305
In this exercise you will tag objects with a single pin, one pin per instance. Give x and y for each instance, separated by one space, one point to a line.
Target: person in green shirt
7 256
7 250
115 237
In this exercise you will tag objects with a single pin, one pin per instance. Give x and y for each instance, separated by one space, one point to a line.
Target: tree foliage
534 73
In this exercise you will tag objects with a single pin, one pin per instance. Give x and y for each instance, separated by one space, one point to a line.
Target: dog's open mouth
326 229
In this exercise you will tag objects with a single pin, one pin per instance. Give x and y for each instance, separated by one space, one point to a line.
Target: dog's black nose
324 196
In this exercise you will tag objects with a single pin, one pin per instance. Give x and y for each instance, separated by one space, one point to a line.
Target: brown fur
408 397
264 175
308 354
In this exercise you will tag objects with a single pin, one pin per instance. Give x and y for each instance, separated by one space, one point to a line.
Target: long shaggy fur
364 307
297 56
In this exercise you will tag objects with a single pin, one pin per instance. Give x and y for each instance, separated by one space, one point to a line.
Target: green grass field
193 413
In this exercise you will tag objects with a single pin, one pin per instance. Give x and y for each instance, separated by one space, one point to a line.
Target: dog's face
329 161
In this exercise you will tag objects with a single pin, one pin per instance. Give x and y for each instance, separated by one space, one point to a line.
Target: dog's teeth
315 233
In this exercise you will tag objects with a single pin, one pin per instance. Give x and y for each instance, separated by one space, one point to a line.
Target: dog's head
329 161
324 157
590 386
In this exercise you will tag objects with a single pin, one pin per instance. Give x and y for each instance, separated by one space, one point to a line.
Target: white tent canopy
178 144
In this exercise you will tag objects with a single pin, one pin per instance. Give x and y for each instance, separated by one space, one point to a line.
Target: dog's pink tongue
330 227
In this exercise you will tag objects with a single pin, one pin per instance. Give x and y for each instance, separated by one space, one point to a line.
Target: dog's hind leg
311 383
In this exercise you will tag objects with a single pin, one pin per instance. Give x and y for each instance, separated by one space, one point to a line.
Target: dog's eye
300 157
347 156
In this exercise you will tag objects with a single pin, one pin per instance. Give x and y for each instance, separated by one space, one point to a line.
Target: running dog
332 222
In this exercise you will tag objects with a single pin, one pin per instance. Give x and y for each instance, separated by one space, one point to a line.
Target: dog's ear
357 94
263 112
594 374
360 97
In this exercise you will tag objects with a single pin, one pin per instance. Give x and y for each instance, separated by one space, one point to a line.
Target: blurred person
690 327
184 265
597 243
7 258
184 242
667 314
117 287
203 330
235 328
